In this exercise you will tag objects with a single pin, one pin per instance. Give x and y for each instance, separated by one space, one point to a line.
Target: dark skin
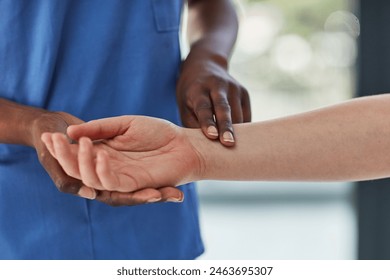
24 124
208 97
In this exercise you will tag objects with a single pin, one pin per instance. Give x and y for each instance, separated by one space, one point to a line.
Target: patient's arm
345 142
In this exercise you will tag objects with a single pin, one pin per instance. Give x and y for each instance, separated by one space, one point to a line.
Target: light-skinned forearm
345 142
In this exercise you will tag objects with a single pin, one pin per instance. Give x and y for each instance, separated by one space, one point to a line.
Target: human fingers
144 196
223 116
62 181
234 99
246 105
111 179
46 139
202 108
87 164
65 154
171 194
100 129
188 117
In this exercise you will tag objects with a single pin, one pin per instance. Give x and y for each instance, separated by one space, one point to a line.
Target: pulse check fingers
246 105
234 99
189 118
203 109
223 116
129 199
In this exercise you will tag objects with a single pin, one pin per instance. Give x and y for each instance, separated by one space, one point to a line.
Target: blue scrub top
93 59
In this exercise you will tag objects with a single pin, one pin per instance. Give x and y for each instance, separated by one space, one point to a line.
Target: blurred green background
295 55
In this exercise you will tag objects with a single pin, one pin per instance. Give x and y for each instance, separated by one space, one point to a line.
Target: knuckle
234 90
245 93
219 82
222 104
195 98
202 107
243 90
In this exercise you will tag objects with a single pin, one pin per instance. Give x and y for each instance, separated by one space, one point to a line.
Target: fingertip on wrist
212 132
228 138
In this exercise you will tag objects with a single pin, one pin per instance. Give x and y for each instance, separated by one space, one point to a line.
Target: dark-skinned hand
210 99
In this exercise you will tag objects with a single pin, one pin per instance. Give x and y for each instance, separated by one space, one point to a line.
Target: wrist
196 140
202 51
211 156
17 122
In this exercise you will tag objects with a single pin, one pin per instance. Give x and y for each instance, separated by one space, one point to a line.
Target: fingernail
228 137
212 131
152 200
175 200
87 193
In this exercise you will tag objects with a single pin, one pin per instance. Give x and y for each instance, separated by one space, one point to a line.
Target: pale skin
345 142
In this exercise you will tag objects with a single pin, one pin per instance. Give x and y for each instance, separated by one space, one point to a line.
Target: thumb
101 129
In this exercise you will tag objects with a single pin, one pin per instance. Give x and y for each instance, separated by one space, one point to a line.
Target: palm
128 153
166 166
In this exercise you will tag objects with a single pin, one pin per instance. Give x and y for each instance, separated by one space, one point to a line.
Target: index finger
203 110
223 116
